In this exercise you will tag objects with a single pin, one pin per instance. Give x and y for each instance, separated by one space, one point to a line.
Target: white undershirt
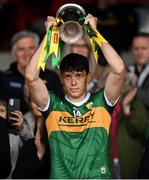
79 103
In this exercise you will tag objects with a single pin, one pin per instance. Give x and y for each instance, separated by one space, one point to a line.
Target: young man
78 125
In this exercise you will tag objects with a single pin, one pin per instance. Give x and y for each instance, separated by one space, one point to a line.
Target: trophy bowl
71 30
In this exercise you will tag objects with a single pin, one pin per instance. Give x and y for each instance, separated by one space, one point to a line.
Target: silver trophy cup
71 30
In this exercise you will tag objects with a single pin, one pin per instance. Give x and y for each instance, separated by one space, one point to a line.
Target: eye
144 48
20 49
2 110
67 76
32 48
79 75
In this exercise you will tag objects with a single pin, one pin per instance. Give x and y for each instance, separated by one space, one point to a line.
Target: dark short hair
141 34
24 34
138 35
74 62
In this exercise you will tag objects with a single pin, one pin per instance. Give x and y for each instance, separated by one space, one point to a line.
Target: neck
73 99
22 71
78 102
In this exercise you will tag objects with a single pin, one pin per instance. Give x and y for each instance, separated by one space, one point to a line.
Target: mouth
74 90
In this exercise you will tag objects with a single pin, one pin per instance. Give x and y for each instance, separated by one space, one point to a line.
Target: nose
73 81
28 52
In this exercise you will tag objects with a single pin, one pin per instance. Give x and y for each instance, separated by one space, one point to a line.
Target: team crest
89 105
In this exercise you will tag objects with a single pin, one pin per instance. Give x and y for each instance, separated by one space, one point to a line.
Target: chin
75 95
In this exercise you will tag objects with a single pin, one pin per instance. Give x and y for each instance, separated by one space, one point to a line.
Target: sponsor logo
103 169
76 121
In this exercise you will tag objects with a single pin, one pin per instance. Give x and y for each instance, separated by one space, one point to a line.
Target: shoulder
100 92
100 100
54 99
12 70
98 97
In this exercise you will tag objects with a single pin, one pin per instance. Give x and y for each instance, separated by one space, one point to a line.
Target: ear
89 76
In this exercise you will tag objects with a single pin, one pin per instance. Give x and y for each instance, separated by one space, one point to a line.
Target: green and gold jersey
78 137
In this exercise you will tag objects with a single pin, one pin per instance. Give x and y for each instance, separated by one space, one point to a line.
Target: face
80 47
23 51
140 50
3 111
75 84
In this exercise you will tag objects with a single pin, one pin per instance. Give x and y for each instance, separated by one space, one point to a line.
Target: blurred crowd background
123 23
119 20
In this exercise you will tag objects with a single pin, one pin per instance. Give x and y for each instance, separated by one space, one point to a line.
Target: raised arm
37 88
115 79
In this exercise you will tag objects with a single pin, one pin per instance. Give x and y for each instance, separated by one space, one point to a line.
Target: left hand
50 22
91 20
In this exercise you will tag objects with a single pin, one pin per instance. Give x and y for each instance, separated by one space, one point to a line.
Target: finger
50 22
14 119
17 119
14 124
92 20
18 114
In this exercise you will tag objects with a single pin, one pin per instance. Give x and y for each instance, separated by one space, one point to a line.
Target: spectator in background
34 157
12 80
140 67
128 132
18 132
140 51
133 121
143 171
5 162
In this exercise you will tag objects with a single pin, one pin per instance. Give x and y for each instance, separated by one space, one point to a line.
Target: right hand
129 97
38 139
50 21
39 144
92 20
